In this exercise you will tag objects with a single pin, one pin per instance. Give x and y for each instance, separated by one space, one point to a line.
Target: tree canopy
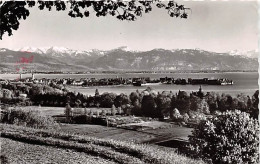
11 12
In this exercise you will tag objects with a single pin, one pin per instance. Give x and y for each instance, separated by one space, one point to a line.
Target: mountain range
122 59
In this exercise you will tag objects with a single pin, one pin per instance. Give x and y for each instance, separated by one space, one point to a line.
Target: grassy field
107 132
145 136
153 131
103 149
51 111
24 153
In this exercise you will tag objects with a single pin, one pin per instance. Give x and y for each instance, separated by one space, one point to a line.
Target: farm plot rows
116 151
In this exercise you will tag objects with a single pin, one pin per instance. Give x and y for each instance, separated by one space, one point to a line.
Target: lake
244 82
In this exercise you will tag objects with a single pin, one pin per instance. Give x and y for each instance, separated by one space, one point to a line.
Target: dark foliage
4 159
107 100
149 107
146 103
232 137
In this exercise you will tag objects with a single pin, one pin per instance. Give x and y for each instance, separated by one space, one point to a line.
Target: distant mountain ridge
124 59
249 54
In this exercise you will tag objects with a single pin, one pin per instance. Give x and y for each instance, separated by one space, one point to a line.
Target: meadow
150 131
106 149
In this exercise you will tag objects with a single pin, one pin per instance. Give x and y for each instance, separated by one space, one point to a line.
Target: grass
30 118
99 131
152 131
117 151
142 136
147 125
24 153
52 111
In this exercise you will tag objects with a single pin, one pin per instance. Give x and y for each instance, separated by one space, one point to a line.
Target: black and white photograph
129 82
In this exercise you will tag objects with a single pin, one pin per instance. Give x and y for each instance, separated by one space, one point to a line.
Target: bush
81 119
29 118
4 159
228 138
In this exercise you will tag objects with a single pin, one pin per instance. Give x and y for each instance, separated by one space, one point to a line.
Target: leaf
86 13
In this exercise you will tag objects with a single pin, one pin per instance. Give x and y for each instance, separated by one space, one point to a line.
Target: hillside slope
116 151
63 59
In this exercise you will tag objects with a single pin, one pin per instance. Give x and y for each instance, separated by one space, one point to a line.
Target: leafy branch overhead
12 11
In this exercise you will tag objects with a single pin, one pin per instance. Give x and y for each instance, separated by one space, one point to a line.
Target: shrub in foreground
232 137
4 159
29 118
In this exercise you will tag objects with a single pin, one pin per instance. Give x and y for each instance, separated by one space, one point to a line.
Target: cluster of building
70 81
85 82
203 81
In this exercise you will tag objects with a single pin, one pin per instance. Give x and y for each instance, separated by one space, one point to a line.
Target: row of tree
146 103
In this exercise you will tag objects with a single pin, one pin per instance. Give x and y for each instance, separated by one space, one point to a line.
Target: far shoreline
135 72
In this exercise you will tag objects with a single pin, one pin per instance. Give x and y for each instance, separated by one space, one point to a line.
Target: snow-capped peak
127 49
33 49
249 54
3 49
60 49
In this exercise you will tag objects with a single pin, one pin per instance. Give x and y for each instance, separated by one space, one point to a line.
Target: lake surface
244 82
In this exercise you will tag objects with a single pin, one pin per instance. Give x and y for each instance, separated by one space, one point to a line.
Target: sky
218 26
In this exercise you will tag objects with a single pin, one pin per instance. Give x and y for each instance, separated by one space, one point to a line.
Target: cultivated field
145 136
55 143
151 131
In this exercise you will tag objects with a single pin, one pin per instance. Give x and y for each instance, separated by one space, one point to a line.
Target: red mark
26 60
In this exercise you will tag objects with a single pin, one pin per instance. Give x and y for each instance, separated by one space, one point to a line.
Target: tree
134 96
255 110
96 93
85 111
103 113
107 100
231 137
181 102
242 103
77 103
175 114
225 103
91 113
68 112
121 99
12 11
119 110
186 117
136 109
149 107
163 102
7 94
203 107
194 103
97 113
113 110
